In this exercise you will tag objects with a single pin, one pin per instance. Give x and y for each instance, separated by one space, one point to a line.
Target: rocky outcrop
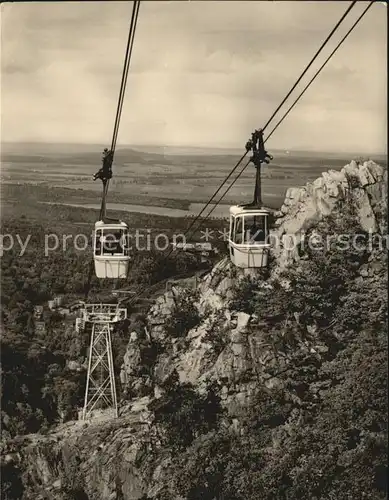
362 184
93 460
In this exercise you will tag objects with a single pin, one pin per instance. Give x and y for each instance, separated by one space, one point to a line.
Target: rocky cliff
364 185
205 338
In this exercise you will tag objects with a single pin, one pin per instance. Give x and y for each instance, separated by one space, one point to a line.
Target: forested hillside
261 385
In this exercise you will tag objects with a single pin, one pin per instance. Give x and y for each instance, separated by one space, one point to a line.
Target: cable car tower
249 234
100 389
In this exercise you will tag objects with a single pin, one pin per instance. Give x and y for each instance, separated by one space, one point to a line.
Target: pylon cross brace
100 388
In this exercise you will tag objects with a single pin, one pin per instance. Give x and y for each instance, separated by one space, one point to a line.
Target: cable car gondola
111 249
248 239
111 238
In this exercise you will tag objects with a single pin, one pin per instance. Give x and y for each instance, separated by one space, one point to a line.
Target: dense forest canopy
30 403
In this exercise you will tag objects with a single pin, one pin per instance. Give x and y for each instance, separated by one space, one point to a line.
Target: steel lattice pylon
100 383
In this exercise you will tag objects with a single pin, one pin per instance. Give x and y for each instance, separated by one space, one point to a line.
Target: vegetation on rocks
183 414
321 433
185 315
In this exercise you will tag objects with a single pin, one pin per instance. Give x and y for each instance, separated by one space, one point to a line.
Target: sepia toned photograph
194 250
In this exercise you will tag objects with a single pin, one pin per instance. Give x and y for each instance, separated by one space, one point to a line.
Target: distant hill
40 148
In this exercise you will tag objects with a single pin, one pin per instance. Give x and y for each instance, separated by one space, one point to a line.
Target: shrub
217 336
184 414
185 315
244 297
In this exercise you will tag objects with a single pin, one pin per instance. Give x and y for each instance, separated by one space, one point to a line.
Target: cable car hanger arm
260 155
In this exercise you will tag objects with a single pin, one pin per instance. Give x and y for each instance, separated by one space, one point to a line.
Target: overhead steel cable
320 69
217 203
122 91
127 60
312 61
297 100
216 192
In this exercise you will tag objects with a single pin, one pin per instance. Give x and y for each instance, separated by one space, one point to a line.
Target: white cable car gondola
111 249
248 239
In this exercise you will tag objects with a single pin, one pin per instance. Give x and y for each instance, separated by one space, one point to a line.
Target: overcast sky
202 73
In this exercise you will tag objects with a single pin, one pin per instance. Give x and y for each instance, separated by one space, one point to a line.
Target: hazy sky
202 73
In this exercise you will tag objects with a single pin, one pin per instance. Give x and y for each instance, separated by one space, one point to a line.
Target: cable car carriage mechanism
249 233
111 237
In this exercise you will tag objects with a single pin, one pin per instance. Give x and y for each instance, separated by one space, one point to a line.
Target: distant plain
168 182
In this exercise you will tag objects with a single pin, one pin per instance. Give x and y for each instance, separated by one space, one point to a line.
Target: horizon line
176 146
